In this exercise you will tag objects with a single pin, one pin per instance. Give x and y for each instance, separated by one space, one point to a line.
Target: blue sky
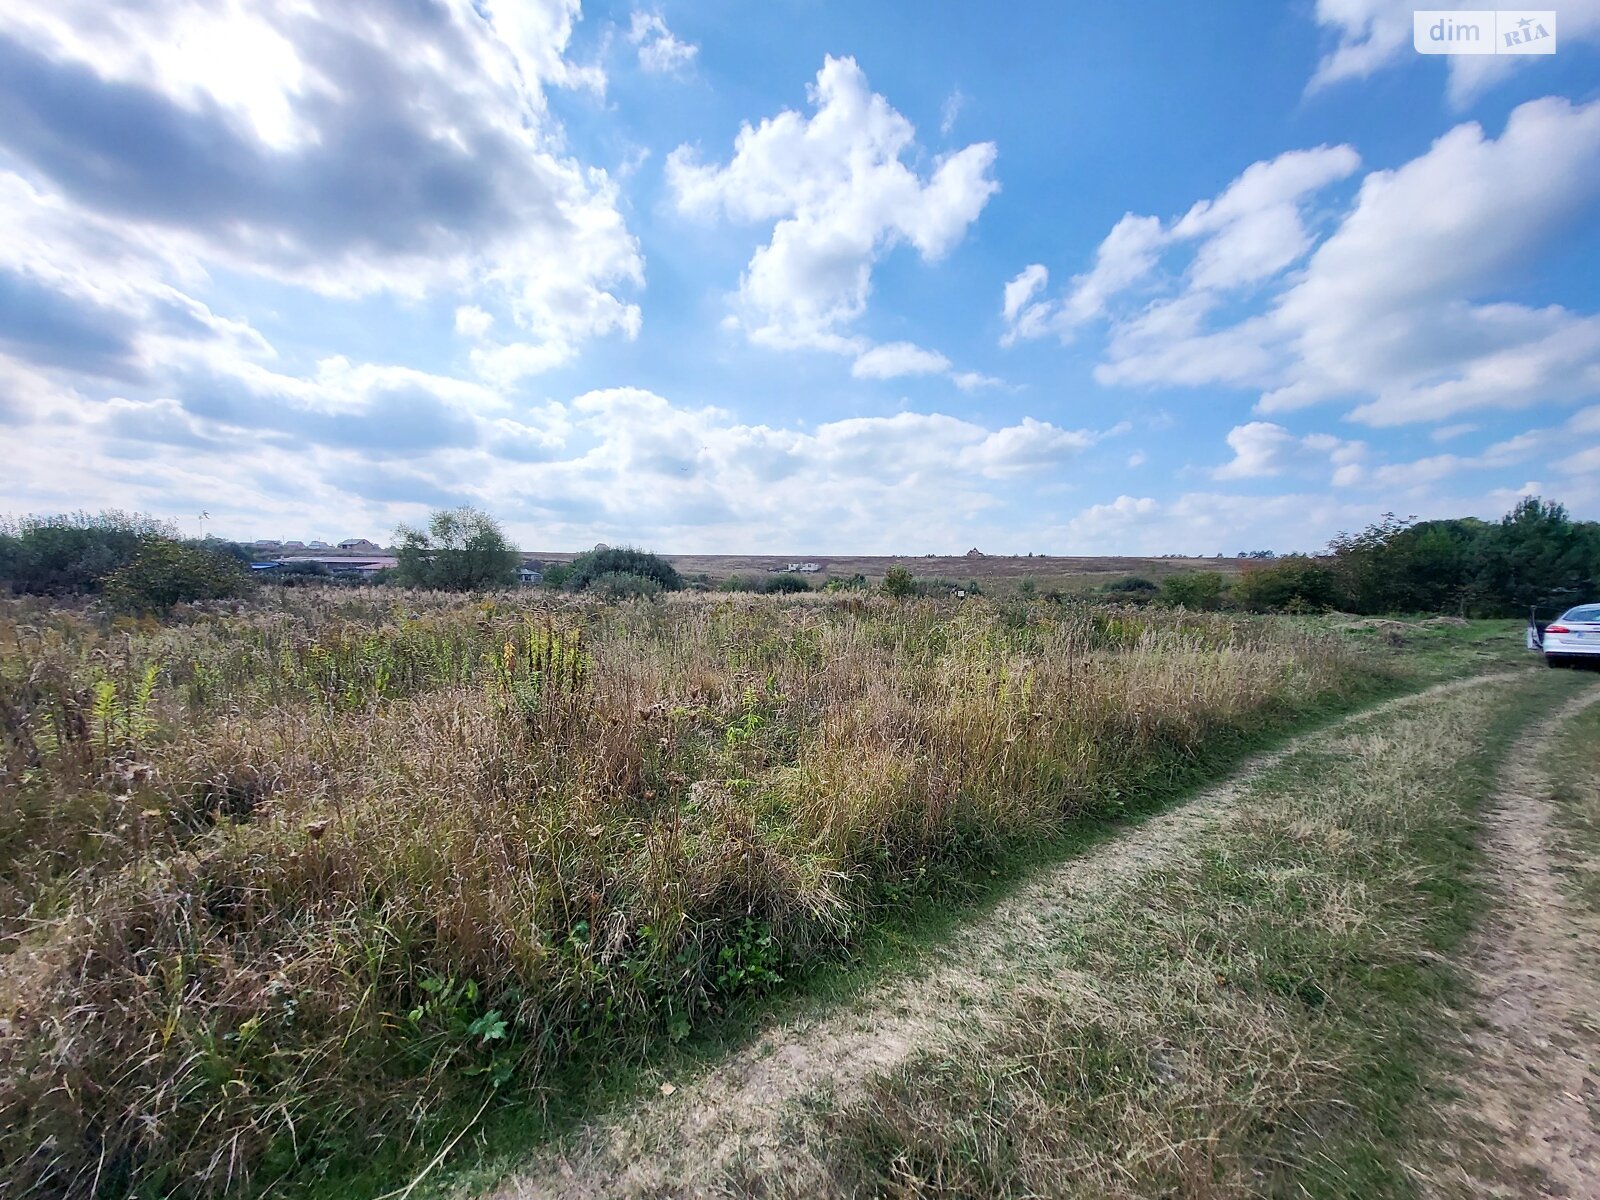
798 276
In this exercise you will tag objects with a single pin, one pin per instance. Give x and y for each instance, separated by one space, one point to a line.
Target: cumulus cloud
1392 309
840 196
347 149
659 51
1374 34
1262 449
1253 230
894 359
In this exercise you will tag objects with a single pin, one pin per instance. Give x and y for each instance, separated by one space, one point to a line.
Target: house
527 576
360 546
294 545
976 553
318 545
266 544
340 565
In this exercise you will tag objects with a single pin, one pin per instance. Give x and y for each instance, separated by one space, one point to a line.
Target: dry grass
297 872
1264 1019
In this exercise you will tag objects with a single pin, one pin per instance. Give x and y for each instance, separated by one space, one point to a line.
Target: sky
797 276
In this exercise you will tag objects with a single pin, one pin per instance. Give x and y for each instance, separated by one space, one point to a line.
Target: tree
166 572
1538 555
462 550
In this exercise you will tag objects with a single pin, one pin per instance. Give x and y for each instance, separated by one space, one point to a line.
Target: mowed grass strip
1573 768
1271 1017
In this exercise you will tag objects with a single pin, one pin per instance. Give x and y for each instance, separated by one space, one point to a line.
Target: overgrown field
279 878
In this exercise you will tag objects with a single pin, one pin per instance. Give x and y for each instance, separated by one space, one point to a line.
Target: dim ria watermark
1484 31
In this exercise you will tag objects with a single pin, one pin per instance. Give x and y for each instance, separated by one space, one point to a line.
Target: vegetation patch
280 883
1268 1017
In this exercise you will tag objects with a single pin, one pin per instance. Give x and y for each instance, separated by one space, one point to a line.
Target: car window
1584 612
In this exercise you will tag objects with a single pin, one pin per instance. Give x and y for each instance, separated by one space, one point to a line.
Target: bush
1195 590
462 550
1133 586
897 582
849 583
1292 584
73 552
621 585
167 572
589 567
766 585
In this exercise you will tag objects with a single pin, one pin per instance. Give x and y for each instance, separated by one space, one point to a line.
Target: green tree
166 572
462 550
1538 555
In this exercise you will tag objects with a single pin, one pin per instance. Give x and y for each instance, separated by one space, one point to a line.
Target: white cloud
1390 311
1250 232
659 51
840 197
1262 449
975 381
405 148
1386 308
473 322
894 359
950 110
1373 34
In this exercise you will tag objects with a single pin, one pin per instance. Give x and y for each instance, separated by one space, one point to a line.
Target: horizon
1161 282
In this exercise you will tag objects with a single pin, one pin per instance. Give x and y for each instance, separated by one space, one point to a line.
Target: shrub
462 550
1292 584
897 582
622 585
848 583
588 567
73 552
766 585
166 572
1197 590
1132 586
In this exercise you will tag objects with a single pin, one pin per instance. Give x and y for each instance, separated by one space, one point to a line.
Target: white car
1573 636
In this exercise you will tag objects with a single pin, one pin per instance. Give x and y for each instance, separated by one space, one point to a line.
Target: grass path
761 1116
1532 1085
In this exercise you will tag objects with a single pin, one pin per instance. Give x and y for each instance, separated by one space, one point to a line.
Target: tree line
1535 556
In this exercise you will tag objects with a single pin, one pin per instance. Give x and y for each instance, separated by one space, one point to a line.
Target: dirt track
1533 1085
